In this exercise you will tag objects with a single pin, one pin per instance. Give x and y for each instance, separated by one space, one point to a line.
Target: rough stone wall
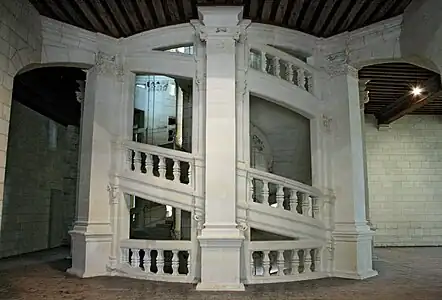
40 183
20 45
405 181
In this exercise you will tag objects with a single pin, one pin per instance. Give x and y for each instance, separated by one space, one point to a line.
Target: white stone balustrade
277 63
284 194
163 163
280 261
156 260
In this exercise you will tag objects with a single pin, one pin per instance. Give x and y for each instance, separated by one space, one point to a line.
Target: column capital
108 64
223 22
336 64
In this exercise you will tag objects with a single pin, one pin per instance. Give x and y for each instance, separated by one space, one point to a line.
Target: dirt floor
405 274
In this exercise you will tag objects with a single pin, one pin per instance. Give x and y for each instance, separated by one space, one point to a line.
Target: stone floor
405 273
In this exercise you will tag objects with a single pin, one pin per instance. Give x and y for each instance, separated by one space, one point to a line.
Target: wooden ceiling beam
409 103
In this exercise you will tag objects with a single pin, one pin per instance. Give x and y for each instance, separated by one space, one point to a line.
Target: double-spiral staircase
299 213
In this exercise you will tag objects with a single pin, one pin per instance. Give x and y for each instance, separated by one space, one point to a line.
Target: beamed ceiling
123 18
390 85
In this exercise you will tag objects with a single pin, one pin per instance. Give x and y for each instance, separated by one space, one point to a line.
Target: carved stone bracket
337 64
327 122
242 225
113 193
108 65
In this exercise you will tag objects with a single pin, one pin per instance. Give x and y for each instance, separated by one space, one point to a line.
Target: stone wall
40 183
20 45
405 181
288 134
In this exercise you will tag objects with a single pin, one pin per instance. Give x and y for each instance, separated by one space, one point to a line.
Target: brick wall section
20 45
405 181
34 167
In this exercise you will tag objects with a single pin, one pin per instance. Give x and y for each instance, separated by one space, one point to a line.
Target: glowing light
416 91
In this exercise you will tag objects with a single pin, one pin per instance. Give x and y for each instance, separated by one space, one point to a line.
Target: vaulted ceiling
122 18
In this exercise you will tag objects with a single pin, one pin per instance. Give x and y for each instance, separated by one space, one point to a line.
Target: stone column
92 233
352 235
220 239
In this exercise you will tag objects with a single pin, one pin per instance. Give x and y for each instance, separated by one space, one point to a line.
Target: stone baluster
175 262
315 207
289 71
124 255
149 164
135 259
280 196
252 265
293 200
301 78
305 204
137 161
147 260
277 66
263 62
160 262
265 192
251 189
176 170
188 262
162 166
307 261
309 82
190 174
129 159
266 263
295 262
281 262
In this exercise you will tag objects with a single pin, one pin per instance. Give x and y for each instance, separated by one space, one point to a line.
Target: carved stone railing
275 62
280 261
284 194
162 163
156 260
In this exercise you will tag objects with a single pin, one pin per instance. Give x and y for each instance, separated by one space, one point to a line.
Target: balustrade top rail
284 56
278 245
301 187
152 244
156 150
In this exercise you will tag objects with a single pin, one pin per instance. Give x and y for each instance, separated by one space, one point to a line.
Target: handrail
285 181
282 55
278 245
156 244
156 150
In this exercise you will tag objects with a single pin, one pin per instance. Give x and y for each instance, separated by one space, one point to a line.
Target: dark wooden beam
409 103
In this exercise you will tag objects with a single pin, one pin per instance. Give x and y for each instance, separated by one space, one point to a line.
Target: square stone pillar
220 239
352 236
92 232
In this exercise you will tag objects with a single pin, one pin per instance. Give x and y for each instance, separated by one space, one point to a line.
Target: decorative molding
364 94
106 64
81 90
113 193
326 122
337 64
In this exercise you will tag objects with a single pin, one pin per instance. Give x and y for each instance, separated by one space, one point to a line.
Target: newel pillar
220 239
352 235
92 232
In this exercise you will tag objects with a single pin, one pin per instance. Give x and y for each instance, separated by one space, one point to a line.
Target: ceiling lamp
417 91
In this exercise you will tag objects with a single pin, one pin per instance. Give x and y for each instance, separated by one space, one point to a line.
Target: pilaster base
220 260
90 248
353 251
